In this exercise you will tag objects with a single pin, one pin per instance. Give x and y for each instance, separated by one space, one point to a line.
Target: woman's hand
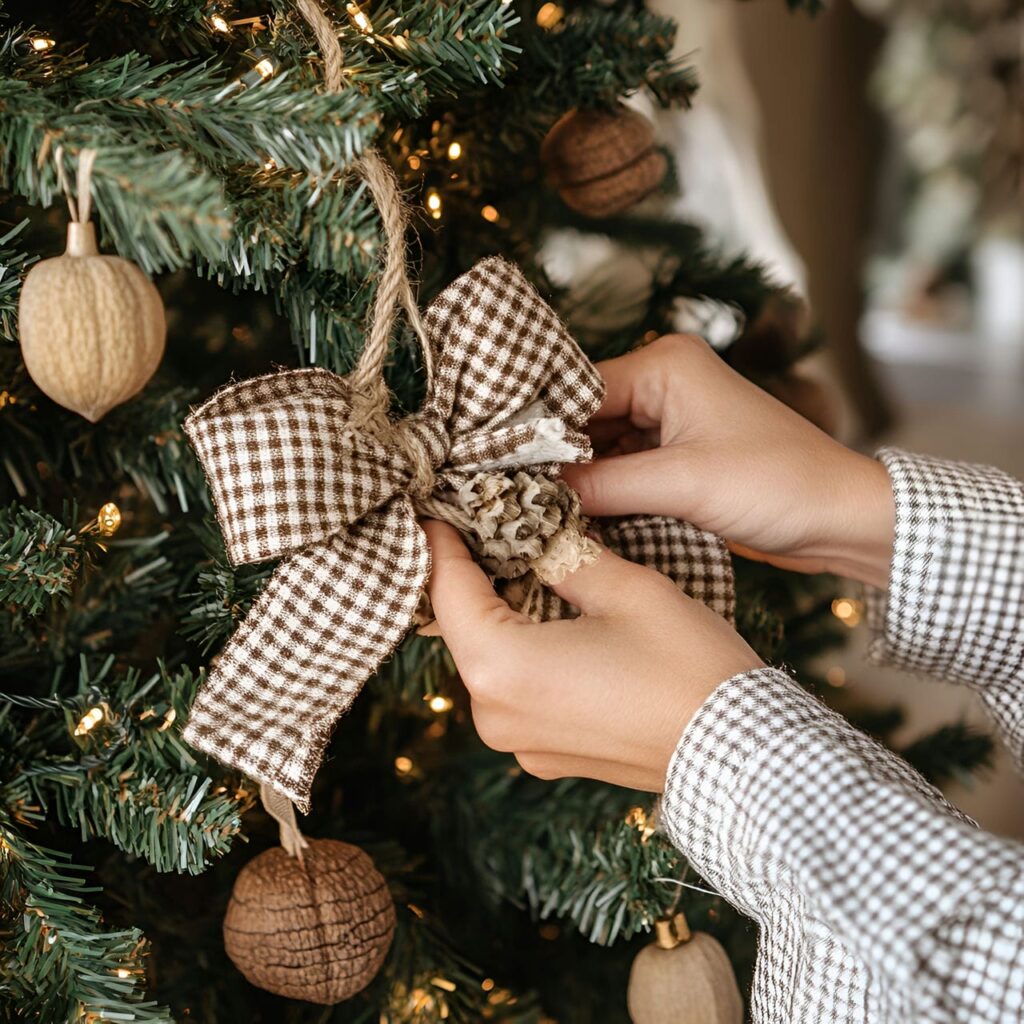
604 696
682 434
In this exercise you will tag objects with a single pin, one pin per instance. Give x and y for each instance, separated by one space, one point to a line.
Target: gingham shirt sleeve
877 901
955 603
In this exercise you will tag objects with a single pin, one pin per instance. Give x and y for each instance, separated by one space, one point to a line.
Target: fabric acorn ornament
683 978
311 919
92 326
603 162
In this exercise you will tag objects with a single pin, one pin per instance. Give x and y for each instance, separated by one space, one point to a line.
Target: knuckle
536 765
481 678
493 730
681 348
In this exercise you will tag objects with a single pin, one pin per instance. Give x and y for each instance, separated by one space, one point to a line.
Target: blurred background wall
890 137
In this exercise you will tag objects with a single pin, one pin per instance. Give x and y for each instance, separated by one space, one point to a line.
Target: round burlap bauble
317 930
603 162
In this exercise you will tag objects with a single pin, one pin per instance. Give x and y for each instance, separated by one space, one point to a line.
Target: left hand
604 696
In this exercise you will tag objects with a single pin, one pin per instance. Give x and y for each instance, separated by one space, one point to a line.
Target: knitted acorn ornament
603 162
316 927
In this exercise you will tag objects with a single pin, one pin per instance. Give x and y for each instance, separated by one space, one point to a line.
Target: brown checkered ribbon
296 474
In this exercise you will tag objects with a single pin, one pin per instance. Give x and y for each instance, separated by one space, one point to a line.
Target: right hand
682 434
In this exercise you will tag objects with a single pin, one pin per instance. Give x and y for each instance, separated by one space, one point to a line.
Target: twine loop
81 210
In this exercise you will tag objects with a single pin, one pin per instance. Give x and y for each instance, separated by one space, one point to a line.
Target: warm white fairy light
358 15
848 610
219 23
266 67
434 203
89 721
549 15
403 765
439 703
455 151
489 214
835 675
41 44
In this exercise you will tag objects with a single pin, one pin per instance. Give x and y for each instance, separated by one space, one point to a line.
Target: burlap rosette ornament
299 469
309 468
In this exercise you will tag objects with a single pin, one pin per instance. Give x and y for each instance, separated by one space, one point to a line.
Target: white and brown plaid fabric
878 902
291 478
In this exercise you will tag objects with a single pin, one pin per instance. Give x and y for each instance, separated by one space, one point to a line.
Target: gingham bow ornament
294 476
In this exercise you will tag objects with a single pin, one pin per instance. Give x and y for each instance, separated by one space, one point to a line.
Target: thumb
644 482
468 610
603 586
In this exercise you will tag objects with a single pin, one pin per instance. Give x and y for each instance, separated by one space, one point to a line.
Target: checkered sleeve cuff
865 881
955 604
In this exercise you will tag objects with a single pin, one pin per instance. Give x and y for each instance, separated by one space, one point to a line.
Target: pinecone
524 522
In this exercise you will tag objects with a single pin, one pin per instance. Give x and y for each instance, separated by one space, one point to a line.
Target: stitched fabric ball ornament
683 978
603 162
92 327
316 928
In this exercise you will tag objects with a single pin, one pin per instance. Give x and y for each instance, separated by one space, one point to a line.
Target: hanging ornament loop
282 810
81 233
393 287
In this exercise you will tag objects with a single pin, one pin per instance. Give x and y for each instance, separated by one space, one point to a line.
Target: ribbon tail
326 620
696 561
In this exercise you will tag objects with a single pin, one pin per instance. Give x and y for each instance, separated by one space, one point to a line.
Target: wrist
865 522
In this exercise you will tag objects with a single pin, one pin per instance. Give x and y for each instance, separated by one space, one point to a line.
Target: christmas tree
224 154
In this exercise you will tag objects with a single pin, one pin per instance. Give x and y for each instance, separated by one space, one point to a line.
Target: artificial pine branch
40 558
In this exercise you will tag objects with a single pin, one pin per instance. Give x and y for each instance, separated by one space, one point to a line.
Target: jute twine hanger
393 289
372 399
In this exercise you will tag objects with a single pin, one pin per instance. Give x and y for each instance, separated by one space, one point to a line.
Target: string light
455 151
219 23
636 817
109 519
40 44
6 398
549 15
265 67
439 704
848 610
89 721
443 983
123 972
168 720
487 984
270 164
489 214
415 162
403 765
434 203
358 15
835 676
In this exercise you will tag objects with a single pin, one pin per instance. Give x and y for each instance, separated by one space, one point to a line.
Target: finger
606 432
565 766
647 481
632 389
467 609
811 566
602 586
